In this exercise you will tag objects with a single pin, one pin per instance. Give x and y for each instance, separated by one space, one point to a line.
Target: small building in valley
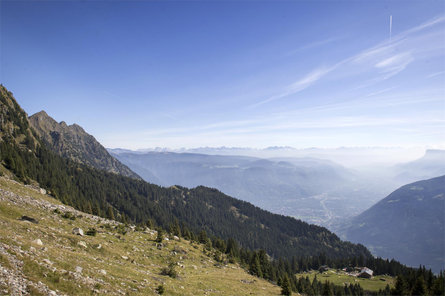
365 273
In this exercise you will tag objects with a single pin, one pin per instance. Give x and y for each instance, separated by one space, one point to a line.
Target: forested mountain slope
197 209
408 225
72 142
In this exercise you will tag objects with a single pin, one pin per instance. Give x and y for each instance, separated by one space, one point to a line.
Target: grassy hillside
110 263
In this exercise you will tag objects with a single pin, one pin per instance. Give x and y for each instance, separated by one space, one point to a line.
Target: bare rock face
82 244
72 142
78 231
37 242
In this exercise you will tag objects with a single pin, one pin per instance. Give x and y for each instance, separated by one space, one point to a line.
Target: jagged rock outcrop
72 142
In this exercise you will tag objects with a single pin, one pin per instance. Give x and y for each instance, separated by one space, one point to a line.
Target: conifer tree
400 287
255 267
285 286
160 236
202 237
419 287
110 213
327 289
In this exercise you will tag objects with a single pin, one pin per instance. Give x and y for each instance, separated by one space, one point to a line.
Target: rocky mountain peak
73 142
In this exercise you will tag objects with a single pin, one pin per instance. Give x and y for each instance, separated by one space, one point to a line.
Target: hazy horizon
357 157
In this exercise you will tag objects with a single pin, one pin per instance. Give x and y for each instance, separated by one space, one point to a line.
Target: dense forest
270 246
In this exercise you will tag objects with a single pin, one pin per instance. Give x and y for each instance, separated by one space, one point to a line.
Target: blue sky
140 74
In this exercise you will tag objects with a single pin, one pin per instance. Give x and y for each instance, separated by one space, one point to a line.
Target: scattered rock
42 191
32 249
82 244
124 257
78 269
99 246
47 262
37 242
78 231
103 271
176 238
29 219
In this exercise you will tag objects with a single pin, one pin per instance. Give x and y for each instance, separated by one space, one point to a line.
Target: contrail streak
390 27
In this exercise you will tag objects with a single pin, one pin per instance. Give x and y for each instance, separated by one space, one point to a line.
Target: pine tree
255 267
400 287
202 237
160 236
419 288
285 286
88 208
110 213
327 289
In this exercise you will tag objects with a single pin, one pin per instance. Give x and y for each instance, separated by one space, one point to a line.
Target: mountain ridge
407 225
73 142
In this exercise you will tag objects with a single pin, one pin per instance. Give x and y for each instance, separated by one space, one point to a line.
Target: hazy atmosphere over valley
257 142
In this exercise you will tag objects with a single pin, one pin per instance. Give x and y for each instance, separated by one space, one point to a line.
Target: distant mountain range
315 190
407 225
346 156
72 142
432 164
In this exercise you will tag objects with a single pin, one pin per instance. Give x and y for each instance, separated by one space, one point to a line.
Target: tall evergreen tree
255 267
419 288
285 286
400 287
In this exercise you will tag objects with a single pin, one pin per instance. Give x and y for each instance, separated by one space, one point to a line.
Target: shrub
91 232
160 289
170 270
69 215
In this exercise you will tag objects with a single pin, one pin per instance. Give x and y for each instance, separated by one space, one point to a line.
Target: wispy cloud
299 85
390 58
314 45
394 64
436 74
425 25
